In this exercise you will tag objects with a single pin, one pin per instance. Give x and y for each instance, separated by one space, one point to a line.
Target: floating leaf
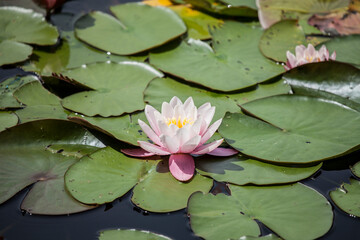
24 161
20 26
40 103
7 119
130 234
285 129
238 8
8 87
333 77
267 237
347 48
241 170
235 57
24 4
347 197
107 174
356 169
197 23
291 211
161 90
158 2
134 28
272 11
117 88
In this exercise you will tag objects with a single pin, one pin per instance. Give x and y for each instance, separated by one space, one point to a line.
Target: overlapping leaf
7 119
234 58
107 174
356 169
318 128
292 211
347 196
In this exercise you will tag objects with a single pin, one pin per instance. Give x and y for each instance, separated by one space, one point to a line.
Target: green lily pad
234 57
356 169
347 197
237 8
116 88
333 77
267 237
71 53
272 11
124 128
25 160
163 89
7 119
24 4
107 174
291 211
40 103
347 48
197 23
241 170
130 234
285 36
134 28
19 27
9 86
285 129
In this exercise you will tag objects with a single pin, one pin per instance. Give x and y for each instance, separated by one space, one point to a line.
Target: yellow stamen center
179 122
309 59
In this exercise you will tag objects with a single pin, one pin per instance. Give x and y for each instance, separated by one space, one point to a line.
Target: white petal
197 125
203 108
175 101
190 145
188 104
167 110
153 148
203 149
207 120
179 112
211 130
300 51
333 56
291 59
184 134
170 143
149 132
152 119
167 130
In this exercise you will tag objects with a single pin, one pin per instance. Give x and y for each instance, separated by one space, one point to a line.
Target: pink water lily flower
180 130
305 55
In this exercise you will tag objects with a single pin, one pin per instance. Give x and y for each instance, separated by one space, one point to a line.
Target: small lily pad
291 211
134 28
107 174
356 169
130 234
25 160
116 88
7 119
19 27
241 170
235 56
304 137
347 197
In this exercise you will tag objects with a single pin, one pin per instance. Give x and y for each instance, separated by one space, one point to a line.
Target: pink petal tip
182 166
137 152
223 152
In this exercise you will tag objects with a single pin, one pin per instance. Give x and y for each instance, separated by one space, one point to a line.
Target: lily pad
116 88
107 174
333 77
25 160
124 128
267 237
241 170
356 169
235 57
347 197
162 89
40 103
347 48
134 28
272 11
7 119
236 8
9 86
197 23
130 234
291 211
285 129
19 27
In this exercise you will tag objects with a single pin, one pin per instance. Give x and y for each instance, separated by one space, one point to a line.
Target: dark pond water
16 225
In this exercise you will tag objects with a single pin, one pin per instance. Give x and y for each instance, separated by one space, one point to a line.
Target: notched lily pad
130 234
291 211
272 135
356 169
241 170
134 28
347 197
25 160
19 27
115 88
107 174
234 57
